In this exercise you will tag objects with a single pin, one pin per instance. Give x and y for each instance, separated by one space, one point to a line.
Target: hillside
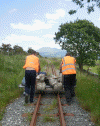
51 52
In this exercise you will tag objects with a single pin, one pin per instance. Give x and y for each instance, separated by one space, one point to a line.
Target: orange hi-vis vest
68 65
32 61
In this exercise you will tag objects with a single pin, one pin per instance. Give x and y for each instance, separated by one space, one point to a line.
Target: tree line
6 49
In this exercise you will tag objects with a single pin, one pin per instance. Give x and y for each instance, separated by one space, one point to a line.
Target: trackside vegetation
88 94
11 74
94 69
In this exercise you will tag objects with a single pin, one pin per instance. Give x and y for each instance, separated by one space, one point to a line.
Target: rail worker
67 68
32 66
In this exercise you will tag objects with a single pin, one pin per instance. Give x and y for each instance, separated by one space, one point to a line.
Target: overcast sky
33 23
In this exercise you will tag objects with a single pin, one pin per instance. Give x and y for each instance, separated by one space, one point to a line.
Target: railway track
64 114
48 109
59 113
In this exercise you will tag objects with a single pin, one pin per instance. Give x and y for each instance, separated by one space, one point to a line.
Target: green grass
47 118
43 62
29 116
11 74
52 106
98 61
88 93
56 62
93 69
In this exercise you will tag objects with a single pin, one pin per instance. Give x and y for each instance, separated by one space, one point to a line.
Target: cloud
52 22
20 38
31 41
52 44
59 13
36 26
99 18
48 36
13 10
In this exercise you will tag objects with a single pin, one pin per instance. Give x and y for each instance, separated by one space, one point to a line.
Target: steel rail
62 120
34 118
33 121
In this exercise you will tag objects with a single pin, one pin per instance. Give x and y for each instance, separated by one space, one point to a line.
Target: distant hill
51 52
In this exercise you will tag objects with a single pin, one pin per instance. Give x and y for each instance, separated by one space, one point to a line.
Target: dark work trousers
30 78
69 82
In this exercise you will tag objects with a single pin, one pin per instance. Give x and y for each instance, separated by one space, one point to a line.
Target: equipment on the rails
53 80
58 86
43 82
40 86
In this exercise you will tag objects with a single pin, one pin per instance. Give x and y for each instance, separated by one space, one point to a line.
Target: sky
33 23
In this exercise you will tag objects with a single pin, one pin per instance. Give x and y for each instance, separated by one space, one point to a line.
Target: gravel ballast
40 122
80 118
15 110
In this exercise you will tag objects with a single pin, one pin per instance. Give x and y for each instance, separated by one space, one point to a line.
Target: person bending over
32 66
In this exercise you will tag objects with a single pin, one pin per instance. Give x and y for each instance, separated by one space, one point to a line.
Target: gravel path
15 110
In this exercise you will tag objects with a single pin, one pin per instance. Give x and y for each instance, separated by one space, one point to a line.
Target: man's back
68 65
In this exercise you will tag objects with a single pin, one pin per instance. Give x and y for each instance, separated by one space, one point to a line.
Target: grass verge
93 69
88 93
11 74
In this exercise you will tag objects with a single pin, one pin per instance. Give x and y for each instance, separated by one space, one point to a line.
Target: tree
30 50
90 8
1 50
17 49
6 48
82 39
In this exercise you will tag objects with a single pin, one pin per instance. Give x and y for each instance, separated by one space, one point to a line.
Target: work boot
26 98
32 101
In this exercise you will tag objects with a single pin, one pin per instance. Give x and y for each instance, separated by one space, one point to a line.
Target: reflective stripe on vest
68 69
68 64
31 62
